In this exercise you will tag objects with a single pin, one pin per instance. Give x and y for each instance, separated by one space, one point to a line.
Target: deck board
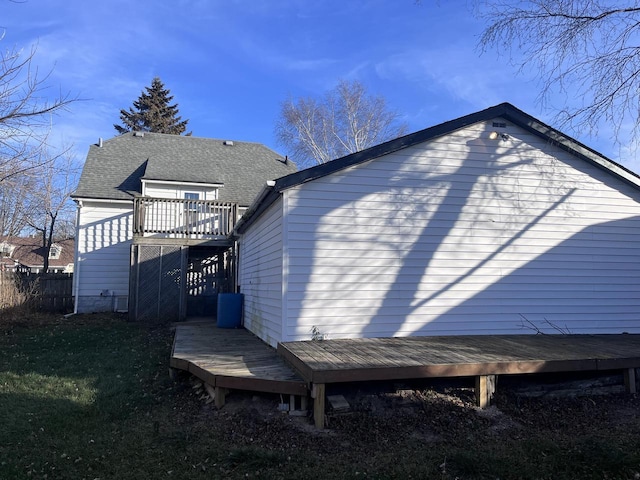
237 359
232 358
333 361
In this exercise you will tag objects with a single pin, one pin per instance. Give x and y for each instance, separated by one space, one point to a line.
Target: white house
27 254
493 223
157 210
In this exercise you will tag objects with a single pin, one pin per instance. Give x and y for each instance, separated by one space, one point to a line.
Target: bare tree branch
529 325
25 116
346 120
49 201
14 210
588 50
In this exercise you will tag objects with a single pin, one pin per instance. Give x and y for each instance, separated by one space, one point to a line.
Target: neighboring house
154 214
27 254
493 223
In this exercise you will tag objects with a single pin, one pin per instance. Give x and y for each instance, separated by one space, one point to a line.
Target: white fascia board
81 200
619 170
284 235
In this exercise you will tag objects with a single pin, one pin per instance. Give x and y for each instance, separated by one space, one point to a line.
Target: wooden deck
235 359
333 361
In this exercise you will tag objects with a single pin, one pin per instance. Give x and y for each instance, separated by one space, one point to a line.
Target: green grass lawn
92 399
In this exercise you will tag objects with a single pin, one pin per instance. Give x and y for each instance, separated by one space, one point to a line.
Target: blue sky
230 64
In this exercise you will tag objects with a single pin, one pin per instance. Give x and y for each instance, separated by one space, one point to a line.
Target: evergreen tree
152 113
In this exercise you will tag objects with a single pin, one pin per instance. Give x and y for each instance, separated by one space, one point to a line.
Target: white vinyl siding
464 235
103 249
157 190
260 275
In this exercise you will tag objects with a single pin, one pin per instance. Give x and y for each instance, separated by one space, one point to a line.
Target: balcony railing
183 218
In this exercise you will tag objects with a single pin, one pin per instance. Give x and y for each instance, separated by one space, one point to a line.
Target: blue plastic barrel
230 310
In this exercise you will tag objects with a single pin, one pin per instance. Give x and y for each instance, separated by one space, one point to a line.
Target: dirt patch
425 415
437 433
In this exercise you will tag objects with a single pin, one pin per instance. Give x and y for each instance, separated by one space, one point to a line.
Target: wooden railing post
135 216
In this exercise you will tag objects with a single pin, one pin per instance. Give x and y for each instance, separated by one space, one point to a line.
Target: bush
17 297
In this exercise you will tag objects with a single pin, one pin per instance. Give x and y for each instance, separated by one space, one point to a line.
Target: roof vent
100 142
229 143
138 134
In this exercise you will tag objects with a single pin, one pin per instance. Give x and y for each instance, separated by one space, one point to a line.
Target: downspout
76 263
236 268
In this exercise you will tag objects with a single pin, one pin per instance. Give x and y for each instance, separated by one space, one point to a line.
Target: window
6 249
191 209
191 206
55 251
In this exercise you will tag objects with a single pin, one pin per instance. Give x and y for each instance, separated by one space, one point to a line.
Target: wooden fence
50 292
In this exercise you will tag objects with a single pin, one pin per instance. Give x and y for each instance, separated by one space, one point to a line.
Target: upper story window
192 206
6 249
171 189
55 251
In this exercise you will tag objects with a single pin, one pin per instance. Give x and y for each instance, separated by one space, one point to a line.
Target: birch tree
345 120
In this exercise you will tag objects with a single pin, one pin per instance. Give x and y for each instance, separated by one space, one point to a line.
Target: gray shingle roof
114 170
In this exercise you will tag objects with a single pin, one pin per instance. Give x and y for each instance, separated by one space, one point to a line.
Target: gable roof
504 110
29 252
114 170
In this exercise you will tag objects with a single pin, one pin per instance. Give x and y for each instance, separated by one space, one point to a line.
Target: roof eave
503 110
264 200
102 199
570 145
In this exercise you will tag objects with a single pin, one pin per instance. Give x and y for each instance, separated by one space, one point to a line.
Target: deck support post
485 388
318 393
630 380
219 396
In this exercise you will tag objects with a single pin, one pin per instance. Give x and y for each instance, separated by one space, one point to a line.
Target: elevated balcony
183 219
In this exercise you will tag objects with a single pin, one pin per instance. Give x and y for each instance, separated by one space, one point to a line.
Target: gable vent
499 125
229 143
